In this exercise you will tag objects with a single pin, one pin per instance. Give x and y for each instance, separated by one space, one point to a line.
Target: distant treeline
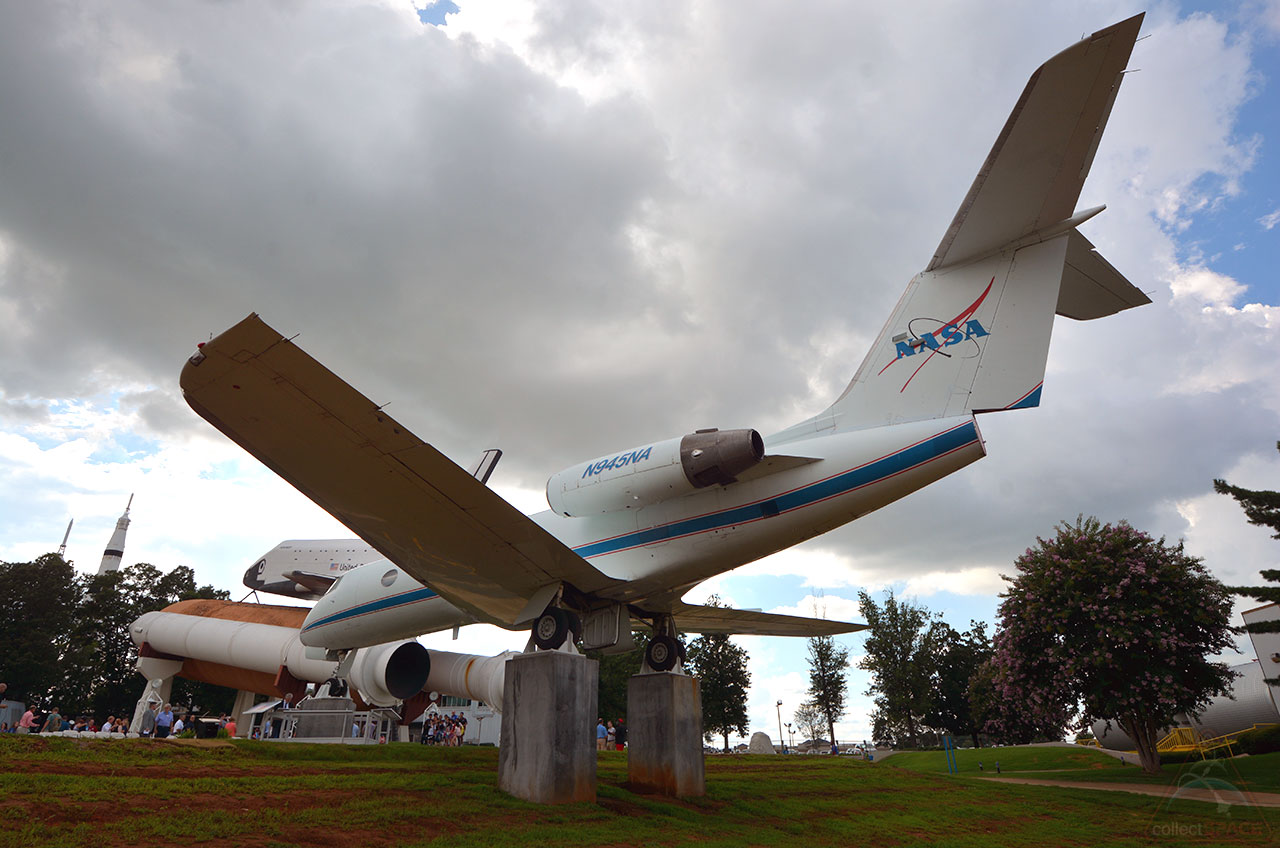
66 635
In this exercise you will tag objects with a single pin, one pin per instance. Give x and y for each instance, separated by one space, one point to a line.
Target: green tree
1261 506
68 633
958 658
722 668
1107 618
615 671
901 654
809 721
1262 509
40 600
828 685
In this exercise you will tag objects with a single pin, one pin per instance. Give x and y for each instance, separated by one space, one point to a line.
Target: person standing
28 721
602 733
52 722
147 724
620 734
164 722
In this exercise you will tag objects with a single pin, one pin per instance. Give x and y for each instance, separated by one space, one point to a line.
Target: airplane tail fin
971 332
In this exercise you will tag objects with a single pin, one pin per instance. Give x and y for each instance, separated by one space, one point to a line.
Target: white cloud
1270 220
1206 287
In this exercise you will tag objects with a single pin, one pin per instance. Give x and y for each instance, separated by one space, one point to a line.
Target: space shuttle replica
114 553
630 532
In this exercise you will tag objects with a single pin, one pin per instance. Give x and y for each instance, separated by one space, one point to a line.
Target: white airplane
630 532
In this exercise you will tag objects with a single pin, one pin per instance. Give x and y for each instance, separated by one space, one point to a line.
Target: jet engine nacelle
653 473
391 673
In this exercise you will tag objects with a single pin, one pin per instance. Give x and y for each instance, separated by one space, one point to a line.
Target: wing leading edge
691 618
432 518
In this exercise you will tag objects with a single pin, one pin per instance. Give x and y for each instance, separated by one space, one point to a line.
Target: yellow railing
1180 740
1187 739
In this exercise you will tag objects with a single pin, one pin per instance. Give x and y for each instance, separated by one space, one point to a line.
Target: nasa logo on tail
949 334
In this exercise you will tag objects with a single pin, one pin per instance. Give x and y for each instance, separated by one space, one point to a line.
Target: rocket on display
114 553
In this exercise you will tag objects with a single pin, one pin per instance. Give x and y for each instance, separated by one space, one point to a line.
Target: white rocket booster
245 646
115 548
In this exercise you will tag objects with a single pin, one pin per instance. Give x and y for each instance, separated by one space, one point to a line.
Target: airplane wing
440 524
690 618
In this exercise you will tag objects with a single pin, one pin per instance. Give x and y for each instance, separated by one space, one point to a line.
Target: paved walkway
1228 796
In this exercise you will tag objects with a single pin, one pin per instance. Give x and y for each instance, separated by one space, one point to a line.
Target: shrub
1260 740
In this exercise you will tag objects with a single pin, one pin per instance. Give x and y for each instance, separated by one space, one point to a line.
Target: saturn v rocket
115 548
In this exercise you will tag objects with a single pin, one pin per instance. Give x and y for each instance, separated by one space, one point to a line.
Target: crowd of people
611 736
36 721
157 721
440 729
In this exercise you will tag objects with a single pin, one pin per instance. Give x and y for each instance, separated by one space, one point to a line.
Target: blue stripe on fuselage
380 605
855 478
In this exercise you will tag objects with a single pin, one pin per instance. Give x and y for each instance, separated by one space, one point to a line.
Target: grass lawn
62 792
1025 758
1257 773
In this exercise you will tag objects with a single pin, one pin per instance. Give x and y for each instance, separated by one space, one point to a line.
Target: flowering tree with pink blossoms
1109 621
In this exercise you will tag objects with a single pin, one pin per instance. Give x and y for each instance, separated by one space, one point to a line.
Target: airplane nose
306 636
253 576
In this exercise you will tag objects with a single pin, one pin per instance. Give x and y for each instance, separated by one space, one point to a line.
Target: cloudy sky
567 228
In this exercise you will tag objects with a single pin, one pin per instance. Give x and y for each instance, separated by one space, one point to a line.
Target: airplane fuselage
658 551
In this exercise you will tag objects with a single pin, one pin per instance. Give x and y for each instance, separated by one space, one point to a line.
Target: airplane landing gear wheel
662 653
551 629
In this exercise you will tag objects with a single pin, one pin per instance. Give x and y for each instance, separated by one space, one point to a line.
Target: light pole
790 737
781 741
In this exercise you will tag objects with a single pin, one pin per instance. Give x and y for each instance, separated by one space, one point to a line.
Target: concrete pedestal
548 749
159 673
244 700
664 736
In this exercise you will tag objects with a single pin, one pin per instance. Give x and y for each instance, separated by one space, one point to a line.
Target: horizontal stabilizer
1091 287
691 618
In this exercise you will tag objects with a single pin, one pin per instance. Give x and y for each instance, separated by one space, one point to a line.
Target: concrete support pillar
159 673
664 736
548 749
244 700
